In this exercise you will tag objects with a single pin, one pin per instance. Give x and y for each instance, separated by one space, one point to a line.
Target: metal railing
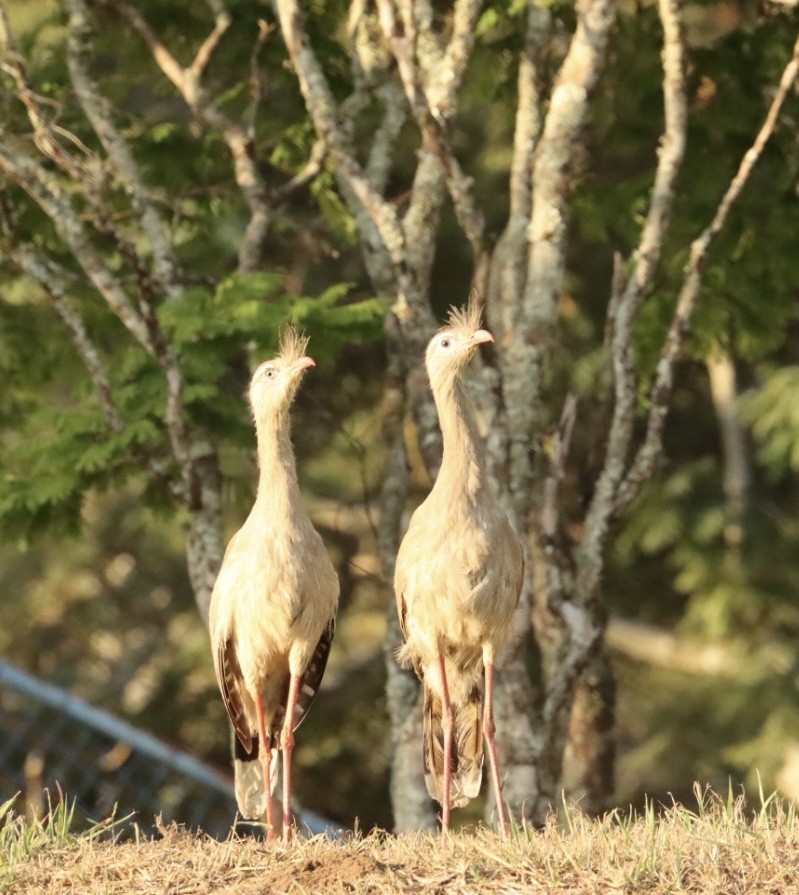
53 742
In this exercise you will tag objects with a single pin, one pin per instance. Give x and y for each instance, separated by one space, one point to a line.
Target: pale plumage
273 606
457 582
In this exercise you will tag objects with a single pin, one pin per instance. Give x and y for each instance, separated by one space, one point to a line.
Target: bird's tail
467 750
248 779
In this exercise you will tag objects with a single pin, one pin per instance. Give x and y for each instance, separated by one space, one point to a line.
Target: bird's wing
402 612
228 674
311 679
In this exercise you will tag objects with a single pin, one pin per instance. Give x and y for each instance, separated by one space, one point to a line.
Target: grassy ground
724 848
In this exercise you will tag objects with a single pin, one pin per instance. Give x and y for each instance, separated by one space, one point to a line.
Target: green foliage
772 410
336 213
58 453
729 92
674 563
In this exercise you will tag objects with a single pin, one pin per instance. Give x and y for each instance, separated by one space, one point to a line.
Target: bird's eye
445 342
269 373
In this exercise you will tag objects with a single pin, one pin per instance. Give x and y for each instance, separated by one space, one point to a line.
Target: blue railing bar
113 727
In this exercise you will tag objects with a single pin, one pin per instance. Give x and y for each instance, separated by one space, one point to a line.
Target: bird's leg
287 744
489 728
265 757
448 724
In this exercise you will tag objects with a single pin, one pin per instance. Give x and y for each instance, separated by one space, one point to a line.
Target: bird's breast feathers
271 591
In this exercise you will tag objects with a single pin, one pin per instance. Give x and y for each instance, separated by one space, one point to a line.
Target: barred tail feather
248 780
468 774
467 752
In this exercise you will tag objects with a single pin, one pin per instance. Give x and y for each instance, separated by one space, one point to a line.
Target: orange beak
482 335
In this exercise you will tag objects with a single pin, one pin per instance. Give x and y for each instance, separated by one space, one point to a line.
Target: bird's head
453 346
275 381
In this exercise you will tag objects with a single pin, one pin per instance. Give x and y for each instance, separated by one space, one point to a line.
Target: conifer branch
31 176
52 278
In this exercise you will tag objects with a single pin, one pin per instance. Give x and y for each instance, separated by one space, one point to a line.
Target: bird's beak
304 363
482 335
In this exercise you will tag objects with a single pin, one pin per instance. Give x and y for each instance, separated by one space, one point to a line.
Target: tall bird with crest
457 582
273 607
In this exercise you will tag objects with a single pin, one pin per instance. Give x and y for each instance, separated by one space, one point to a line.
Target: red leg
265 756
448 724
489 729
287 744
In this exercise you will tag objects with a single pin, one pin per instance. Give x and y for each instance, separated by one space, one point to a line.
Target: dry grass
724 848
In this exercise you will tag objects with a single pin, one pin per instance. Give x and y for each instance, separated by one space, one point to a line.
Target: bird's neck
277 470
463 462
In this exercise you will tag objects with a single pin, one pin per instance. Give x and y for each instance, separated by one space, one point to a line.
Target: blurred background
703 602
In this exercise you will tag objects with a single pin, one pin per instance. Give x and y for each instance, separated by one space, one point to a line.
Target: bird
458 577
273 607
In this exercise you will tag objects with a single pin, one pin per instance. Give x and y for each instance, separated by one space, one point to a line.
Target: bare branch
79 49
208 47
165 263
304 176
381 153
658 647
446 79
256 80
625 303
509 268
51 280
239 140
403 43
651 449
163 58
14 65
47 193
322 109
529 116
87 170
51 277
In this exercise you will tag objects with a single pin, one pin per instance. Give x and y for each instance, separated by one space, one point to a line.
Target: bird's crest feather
464 321
292 345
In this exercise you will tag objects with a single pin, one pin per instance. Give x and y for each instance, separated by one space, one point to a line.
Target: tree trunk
205 540
736 473
589 761
410 802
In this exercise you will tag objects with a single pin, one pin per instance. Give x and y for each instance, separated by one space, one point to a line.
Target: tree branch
79 42
534 315
508 268
209 46
554 161
239 140
431 119
322 109
557 468
650 450
79 49
31 177
51 277
625 306
409 795
735 457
